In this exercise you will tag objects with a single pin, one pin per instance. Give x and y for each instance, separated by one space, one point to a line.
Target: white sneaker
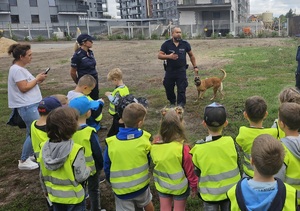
103 209
32 158
27 165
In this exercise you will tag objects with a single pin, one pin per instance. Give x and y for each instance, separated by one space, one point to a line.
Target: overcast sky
277 7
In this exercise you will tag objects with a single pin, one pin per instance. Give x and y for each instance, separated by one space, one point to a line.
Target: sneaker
32 158
27 165
103 209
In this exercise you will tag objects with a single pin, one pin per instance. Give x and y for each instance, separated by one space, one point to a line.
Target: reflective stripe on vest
37 137
61 184
221 172
245 140
82 137
292 175
127 173
98 118
122 91
168 173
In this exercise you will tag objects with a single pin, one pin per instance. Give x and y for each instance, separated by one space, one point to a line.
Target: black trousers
176 78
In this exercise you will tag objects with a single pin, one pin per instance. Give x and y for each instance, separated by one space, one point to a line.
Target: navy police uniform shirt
84 62
169 47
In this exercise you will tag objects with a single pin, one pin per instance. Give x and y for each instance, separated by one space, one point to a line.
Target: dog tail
224 74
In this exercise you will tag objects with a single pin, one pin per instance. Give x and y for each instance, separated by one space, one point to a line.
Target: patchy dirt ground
142 70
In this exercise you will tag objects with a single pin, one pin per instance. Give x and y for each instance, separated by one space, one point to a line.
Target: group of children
67 148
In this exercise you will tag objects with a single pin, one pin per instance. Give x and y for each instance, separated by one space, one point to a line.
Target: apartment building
51 13
166 9
208 16
134 9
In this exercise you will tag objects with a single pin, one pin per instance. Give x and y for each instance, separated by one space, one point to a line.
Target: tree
290 14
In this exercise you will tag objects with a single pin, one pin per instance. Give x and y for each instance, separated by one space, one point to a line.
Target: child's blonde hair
172 127
63 99
290 94
87 80
115 73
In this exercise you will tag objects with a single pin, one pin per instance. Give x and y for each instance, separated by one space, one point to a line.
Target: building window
90 5
91 14
13 3
33 3
54 18
51 3
216 15
35 19
15 19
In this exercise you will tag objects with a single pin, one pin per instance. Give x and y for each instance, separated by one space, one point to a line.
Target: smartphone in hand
47 70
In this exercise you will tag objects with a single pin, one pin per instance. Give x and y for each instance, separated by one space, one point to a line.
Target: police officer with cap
83 62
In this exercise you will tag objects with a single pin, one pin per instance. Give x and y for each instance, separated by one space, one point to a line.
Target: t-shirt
16 98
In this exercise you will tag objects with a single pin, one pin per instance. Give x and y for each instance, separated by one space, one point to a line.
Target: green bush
118 37
229 36
214 35
40 38
154 36
274 34
55 38
242 35
111 37
68 38
141 37
125 37
14 37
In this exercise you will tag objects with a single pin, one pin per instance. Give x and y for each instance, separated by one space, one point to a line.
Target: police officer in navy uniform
174 52
83 62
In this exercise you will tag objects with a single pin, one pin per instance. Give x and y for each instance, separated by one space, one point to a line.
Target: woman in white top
23 92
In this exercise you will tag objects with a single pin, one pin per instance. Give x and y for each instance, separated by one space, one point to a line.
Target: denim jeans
94 191
223 205
28 114
69 207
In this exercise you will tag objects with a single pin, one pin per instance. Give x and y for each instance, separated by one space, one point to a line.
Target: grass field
251 70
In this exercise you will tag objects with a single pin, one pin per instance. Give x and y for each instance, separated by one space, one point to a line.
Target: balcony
4 8
100 9
218 1
72 8
101 1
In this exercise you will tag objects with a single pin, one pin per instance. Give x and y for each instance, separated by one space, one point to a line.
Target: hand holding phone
47 70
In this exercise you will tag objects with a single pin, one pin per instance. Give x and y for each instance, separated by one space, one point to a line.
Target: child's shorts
183 196
131 204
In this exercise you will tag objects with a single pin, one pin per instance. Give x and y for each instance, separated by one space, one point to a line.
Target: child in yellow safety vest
289 95
255 112
126 162
264 191
173 167
62 162
216 160
289 122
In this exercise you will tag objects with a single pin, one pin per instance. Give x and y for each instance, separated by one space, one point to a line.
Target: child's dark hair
17 50
61 124
172 128
256 108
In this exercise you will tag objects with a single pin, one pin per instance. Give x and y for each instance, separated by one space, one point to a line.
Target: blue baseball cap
84 37
48 104
82 104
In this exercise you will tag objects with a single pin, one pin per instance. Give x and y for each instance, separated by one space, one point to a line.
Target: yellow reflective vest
292 173
37 137
121 91
61 184
285 199
82 137
169 176
129 163
245 139
218 163
280 132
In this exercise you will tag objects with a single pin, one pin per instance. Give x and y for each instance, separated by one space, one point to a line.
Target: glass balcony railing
72 8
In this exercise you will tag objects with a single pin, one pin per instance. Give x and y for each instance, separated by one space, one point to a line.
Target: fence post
213 27
29 32
150 30
68 28
47 26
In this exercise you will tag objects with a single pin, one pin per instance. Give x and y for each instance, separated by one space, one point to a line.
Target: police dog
215 82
